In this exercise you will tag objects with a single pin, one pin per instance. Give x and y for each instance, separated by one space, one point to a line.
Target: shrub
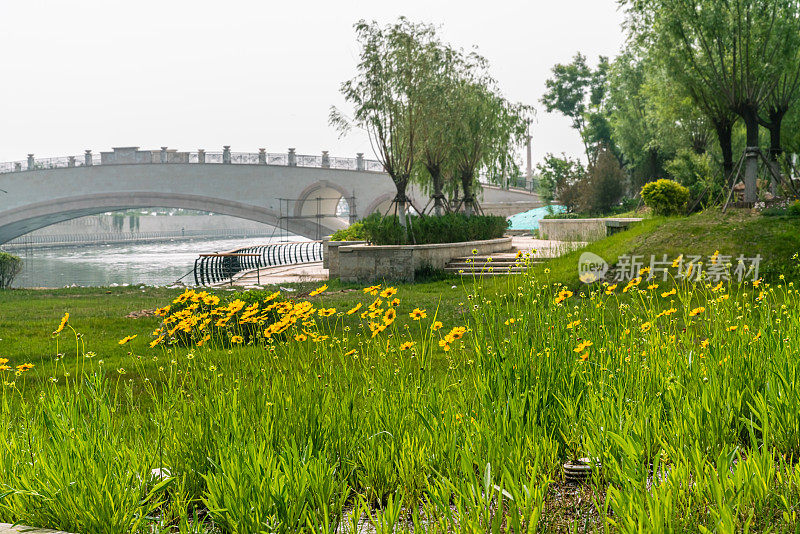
10 267
694 171
448 228
354 232
665 197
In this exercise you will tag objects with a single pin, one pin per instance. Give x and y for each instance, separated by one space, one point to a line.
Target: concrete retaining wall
365 264
582 229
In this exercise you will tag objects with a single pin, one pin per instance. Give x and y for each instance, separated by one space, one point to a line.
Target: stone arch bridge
294 192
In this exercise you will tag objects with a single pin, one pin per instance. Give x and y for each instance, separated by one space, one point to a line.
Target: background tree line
696 84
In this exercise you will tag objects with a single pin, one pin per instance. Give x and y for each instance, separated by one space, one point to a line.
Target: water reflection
105 265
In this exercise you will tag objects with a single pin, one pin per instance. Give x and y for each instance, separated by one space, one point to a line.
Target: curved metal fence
218 267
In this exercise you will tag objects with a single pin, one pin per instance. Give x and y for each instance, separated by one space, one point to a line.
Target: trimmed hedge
449 228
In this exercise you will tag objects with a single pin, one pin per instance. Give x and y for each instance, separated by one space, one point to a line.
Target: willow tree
385 95
735 49
486 131
778 103
435 142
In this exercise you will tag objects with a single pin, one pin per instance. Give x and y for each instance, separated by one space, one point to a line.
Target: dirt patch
140 314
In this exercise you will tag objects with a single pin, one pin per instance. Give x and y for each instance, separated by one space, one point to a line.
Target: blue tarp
529 220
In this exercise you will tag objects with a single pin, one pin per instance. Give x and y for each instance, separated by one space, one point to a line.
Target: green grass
300 434
776 239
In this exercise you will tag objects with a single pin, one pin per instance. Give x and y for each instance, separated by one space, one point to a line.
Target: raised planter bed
583 229
363 263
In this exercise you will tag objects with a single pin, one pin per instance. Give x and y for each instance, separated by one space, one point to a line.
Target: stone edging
363 263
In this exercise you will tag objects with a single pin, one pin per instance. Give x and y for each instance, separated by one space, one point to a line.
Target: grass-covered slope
737 232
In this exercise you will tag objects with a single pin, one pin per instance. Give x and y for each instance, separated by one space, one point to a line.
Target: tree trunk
775 148
466 185
724 129
401 201
750 116
438 185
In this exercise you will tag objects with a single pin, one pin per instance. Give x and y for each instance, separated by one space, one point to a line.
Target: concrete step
480 265
501 270
481 274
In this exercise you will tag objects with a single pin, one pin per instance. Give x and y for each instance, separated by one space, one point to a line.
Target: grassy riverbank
413 408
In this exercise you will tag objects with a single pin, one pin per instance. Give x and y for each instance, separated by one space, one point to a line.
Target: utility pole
528 169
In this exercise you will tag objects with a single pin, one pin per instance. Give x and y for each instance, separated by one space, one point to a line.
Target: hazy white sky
202 74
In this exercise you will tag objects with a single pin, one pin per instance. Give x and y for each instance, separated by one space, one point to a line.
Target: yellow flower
63 324
350 352
389 316
573 324
510 321
161 312
300 337
318 290
583 357
156 341
732 328
372 290
563 295
444 344
677 260
354 309
407 345
583 345
610 289
394 303
237 339
126 339
418 314
668 293
388 292
705 343
652 286
436 326
697 311
203 340
323 312
646 326
24 367
757 283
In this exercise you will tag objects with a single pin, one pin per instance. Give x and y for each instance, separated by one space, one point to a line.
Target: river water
105 265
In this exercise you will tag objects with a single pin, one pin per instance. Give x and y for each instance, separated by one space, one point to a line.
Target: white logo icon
591 268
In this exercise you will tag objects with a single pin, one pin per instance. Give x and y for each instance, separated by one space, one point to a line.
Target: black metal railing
218 267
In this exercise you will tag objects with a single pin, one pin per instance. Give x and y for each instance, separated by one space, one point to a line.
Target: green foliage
694 171
432 112
599 190
354 232
556 173
448 228
581 93
10 267
665 197
792 210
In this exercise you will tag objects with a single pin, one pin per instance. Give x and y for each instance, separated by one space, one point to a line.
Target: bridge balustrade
201 157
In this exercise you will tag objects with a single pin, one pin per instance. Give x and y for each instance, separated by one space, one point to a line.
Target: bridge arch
329 194
32 217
